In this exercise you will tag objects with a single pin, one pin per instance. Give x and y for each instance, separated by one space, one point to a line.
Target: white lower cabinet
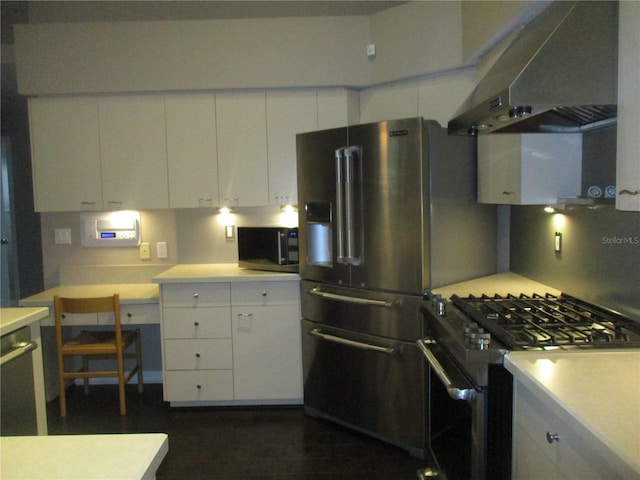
267 353
232 343
551 444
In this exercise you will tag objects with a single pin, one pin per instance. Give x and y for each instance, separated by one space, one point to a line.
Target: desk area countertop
129 293
219 272
11 319
599 389
86 457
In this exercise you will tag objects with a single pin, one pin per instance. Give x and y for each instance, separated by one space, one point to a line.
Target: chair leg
62 391
139 361
121 384
85 367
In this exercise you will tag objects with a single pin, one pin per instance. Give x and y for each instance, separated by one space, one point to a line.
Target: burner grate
548 320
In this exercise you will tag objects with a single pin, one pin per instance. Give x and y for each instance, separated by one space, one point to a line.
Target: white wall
436 97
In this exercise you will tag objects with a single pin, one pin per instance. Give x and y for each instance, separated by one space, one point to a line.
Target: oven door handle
453 391
352 343
19 350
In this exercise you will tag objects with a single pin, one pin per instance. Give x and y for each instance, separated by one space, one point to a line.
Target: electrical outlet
557 243
145 251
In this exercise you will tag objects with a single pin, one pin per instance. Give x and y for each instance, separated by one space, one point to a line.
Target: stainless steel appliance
18 402
466 340
547 79
387 211
268 248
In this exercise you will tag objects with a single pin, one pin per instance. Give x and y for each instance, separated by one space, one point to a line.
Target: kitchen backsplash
599 259
192 236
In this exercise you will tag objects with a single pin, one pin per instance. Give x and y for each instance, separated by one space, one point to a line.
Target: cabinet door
134 152
191 150
288 113
338 107
499 169
628 163
242 149
529 169
65 148
267 353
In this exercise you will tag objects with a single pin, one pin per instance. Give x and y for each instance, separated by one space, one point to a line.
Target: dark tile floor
236 443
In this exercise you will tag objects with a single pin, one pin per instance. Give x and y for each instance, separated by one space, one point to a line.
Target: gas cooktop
538 321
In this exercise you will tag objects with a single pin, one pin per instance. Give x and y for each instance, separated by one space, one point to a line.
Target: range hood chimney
558 75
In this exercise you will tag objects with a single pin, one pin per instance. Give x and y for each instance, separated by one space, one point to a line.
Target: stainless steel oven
18 412
469 390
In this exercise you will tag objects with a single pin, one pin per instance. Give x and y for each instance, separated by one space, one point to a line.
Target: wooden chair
95 345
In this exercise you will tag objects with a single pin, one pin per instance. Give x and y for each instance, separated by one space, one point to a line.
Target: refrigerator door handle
351 155
349 299
352 343
340 227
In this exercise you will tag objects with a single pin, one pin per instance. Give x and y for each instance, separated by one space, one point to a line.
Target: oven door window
452 418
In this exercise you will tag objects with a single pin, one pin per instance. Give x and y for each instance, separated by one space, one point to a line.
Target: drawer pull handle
199 387
196 324
552 437
264 294
196 295
197 355
129 314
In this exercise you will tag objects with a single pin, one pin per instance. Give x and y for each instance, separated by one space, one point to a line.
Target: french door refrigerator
387 211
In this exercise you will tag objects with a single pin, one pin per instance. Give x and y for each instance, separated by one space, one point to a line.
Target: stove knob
480 341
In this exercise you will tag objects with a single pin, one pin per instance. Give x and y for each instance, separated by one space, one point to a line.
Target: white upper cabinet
338 107
628 165
65 150
288 113
529 169
192 150
242 149
134 152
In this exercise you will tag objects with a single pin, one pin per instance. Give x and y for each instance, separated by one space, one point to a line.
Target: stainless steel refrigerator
387 211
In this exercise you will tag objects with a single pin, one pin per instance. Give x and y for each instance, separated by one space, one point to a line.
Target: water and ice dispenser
319 234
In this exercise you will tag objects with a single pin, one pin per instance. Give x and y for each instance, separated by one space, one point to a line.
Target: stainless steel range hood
558 75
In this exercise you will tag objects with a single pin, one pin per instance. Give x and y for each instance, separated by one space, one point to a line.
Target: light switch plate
62 236
161 249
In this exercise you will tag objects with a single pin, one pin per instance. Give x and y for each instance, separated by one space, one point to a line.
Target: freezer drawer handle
349 299
352 343
19 350
454 392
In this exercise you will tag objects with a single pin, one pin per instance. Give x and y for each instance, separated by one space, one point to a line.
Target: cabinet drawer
134 314
195 295
198 354
577 453
266 293
201 385
208 322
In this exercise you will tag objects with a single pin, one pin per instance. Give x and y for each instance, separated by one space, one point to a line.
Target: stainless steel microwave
268 248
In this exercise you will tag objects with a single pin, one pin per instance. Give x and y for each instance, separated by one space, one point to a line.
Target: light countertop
500 283
86 457
219 272
599 389
11 319
129 293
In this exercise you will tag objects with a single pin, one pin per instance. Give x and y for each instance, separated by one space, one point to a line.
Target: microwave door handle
280 239
339 154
